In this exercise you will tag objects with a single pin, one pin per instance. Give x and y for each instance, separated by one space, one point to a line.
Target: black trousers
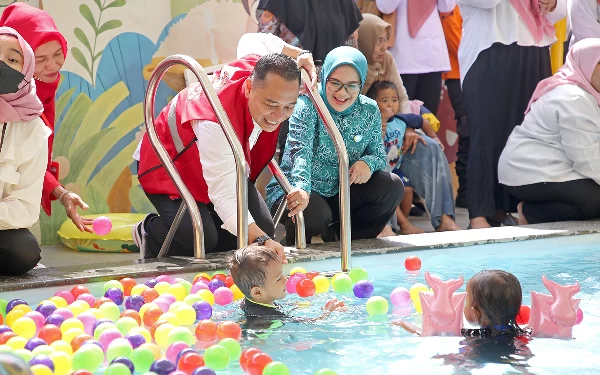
371 206
425 87
497 89
19 251
462 128
559 201
216 239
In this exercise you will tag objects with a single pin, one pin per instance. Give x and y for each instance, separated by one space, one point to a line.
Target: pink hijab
23 105
536 22
418 12
582 59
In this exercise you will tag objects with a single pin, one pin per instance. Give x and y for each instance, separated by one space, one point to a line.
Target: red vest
174 129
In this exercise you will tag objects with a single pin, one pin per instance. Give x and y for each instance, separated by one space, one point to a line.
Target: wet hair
498 296
379 86
276 63
248 267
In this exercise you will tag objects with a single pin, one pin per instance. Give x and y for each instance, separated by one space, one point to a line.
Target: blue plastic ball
34 343
363 289
11 305
115 295
203 310
42 360
162 367
134 303
126 361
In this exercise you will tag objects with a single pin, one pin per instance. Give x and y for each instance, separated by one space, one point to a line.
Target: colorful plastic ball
186 315
178 291
3 304
198 286
229 329
204 371
151 283
292 281
174 349
246 355
162 303
55 319
123 361
4 329
34 343
305 288
46 309
137 290
182 334
64 312
24 327
142 359
189 362
42 360
412 263
215 284
80 340
108 336
136 339
191 299
102 225
12 317
151 315
276 368
6 336
155 326
342 283
162 287
66 296
89 320
62 346
206 330
40 370
207 296
101 301
102 325
76 291
59 302
358 274
88 357
325 371
24 354
17 342
162 367
165 278
110 310
78 307
115 295
297 270
70 334
1 319
4 349
216 357
233 347
523 315
223 296
14 303
161 336
62 363
201 275
203 310
128 284
228 281
377 306
134 303
133 315
321 284
171 318
117 369
81 372
37 318
119 348
400 297
257 363
363 289
579 316
126 324
71 323
42 350
90 299
415 290
237 293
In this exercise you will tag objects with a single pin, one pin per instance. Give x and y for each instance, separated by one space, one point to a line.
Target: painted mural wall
113 48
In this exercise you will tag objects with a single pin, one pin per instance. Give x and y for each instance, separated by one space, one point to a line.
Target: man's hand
360 173
278 248
297 201
547 6
305 61
411 138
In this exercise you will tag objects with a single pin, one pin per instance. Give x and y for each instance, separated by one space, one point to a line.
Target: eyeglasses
334 85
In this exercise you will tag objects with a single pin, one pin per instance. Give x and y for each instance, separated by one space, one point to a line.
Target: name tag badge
358 138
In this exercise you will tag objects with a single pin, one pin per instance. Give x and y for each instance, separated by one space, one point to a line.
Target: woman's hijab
336 58
582 59
320 25
24 104
371 27
37 28
536 22
418 12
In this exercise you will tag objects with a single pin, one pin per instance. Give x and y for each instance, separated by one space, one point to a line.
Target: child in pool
493 302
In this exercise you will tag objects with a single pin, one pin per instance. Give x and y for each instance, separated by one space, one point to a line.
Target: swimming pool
352 343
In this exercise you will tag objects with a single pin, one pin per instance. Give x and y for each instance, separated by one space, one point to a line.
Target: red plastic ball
412 263
257 363
189 362
50 333
228 281
79 290
101 301
220 276
132 314
305 288
151 316
203 279
79 340
229 329
128 284
206 330
156 324
1 319
4 337
247 356
81 372
149 295
311 275
523 315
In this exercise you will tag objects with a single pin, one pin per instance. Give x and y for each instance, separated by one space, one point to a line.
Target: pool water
352 343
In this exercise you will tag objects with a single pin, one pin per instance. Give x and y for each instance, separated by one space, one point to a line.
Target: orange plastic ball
151 316
79 290
523 315
101 301
247 356
4 337
228 281
50 333
229 329
190 362
257 363
305 288
79 340
206 330
128 283
412 263
156 324
150 295
132 314
311 275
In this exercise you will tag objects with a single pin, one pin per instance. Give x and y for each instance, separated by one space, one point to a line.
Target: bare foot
479 223
410 229
387 232
447 225
522 219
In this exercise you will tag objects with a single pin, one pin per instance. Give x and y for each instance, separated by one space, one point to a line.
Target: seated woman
23 155
310 161
551 163
425 165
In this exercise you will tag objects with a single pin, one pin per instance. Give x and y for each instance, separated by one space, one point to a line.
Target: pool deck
122 265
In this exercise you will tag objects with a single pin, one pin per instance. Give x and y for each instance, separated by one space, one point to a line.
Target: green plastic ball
233 347
342 283
6 349
88 357
110 310
377 305
216 357
219 272
101 328
3 304
181 334
358 274
24 354
43 349
191 299
142 359
187 285
325 371
117 369
276 368
126 324
112 284
118 348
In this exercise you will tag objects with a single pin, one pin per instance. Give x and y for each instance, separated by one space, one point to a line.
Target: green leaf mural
139 201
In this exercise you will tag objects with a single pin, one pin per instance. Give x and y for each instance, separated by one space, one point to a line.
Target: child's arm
329 307
428 130
408 327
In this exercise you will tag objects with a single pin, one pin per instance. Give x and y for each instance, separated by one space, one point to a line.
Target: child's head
258 272
385 93
493 299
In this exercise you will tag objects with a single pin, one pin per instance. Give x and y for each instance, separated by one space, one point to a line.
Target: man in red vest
257 93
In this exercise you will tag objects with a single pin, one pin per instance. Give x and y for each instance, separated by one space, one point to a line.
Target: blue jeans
428 172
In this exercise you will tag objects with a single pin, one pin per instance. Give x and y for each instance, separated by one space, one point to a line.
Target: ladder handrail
344 176
236 146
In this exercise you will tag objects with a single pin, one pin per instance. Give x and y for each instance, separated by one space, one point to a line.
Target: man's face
271 101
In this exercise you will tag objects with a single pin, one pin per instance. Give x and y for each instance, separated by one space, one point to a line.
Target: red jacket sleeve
51 176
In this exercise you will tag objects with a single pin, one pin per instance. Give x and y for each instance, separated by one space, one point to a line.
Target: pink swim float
443 309
554 315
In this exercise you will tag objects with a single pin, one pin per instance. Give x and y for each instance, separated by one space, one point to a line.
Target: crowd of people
528 141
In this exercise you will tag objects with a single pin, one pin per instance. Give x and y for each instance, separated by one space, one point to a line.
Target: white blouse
558 141
584 19
486 22
23 162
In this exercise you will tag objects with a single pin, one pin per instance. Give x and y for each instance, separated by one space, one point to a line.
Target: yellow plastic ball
59 302
153 348
321 284
62 363
178 291
161 335
415 290
12 316
62 346
171 318
186 315
145 308
162 287
138 289
69 335
297 270
110 310
77 308
24 308
71 323
24 327
174 306
142 331
207 296
96 312
17 342
203 274
237 293
40 370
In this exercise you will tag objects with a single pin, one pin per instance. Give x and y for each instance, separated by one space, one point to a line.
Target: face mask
9 79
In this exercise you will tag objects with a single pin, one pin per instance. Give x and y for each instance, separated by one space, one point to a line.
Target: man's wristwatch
260 240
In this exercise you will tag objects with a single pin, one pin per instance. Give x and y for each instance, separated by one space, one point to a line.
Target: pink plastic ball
90 299
38 318
198 286
64 312
169 298
400 297
108 336
162 303
165 278
88 319
579 316
223 296
292 281
102 225
174 349
67 296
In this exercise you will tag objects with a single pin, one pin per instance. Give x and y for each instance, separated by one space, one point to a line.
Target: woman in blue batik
310 161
